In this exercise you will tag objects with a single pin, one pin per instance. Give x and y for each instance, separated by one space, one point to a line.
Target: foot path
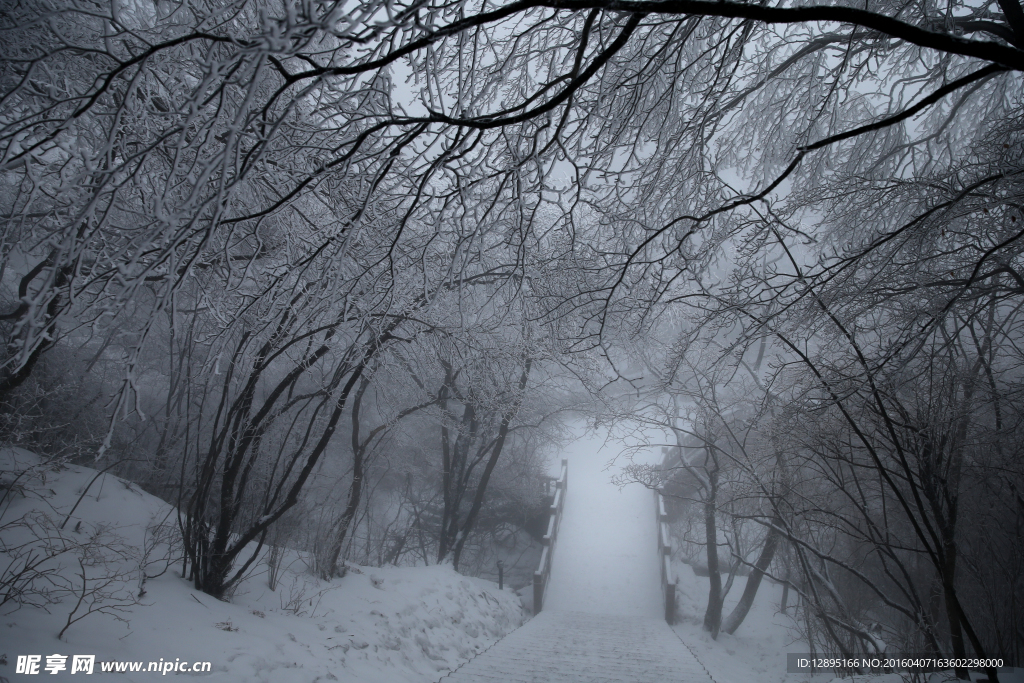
603 617
557 647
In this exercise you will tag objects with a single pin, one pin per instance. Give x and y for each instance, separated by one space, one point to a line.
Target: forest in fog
333 276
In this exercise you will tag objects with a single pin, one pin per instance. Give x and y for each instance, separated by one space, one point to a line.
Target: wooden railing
543 573
668 583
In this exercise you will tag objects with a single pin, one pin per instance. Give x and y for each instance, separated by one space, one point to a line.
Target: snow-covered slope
389 624
757 651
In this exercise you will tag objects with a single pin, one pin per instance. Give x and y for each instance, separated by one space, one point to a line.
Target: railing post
668 586
543 573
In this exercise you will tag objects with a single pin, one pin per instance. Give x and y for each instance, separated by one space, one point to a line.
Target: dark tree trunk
739 613
355 487
956 633
456 477
481 487
713 615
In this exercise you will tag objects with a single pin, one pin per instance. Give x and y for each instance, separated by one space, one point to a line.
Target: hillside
394 624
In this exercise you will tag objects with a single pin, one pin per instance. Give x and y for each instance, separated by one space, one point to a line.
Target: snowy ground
375 625
758 649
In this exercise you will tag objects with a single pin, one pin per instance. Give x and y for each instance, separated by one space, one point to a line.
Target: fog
604 560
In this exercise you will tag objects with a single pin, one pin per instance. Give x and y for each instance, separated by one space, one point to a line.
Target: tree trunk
481 488
713 616
956 634
457 479
446 463
739 613
355 490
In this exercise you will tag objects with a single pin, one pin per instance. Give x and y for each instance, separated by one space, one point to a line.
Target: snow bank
391 624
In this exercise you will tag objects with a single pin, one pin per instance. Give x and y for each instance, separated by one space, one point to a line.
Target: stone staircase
576 647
